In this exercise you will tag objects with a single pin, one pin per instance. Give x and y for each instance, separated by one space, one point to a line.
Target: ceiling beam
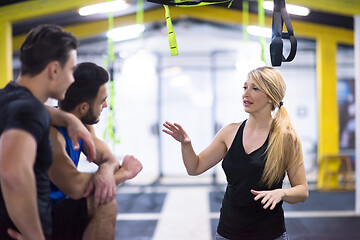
342 7
37 8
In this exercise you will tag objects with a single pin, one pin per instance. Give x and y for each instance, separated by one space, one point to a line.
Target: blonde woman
256 154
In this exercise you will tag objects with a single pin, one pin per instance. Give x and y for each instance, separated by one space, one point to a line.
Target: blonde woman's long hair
284 148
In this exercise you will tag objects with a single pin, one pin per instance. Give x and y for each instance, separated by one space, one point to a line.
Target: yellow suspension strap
245 18
110 130
181 3
171 33
140 13
261 19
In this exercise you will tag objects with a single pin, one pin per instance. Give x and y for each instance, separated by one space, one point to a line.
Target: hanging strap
280 16
140 13
181 3
184 3
189 3
171 34
261 19
110 125
245 19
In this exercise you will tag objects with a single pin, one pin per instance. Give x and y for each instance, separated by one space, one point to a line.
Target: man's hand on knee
103 185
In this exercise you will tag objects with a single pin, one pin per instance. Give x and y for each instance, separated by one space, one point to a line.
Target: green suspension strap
245 20
181 3
261 19
110 129
140 13
171 33
189 3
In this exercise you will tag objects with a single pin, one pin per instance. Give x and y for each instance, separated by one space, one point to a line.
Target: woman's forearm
191 160
296 194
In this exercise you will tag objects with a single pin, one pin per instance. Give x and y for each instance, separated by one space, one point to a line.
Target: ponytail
284 147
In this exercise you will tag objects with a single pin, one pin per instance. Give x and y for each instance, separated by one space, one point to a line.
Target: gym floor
187 208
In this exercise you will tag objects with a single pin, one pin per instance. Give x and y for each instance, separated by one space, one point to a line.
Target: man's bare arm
105 181
63 172
18 182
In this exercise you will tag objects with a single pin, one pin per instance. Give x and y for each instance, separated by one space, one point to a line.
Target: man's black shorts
69 219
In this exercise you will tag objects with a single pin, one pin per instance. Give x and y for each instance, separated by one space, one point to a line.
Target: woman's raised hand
176 131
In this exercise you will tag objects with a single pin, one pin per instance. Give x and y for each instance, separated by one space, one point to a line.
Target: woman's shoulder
228 133
230 128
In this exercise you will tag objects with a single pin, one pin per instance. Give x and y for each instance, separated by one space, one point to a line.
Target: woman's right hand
177 132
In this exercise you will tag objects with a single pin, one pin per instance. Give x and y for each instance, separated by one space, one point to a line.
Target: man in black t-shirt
48 58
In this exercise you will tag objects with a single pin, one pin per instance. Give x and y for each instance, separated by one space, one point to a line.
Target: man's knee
101 221
105 211
110 209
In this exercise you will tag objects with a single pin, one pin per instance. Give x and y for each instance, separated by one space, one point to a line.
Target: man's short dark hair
44 44
89 77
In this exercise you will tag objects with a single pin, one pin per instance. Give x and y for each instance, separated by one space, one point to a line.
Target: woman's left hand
269 198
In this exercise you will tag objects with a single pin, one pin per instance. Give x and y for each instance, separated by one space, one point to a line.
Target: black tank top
241 217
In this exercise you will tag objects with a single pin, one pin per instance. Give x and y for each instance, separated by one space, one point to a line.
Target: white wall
187 91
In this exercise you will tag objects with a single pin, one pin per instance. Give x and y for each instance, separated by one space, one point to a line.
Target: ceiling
324 12
327 12
320 14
